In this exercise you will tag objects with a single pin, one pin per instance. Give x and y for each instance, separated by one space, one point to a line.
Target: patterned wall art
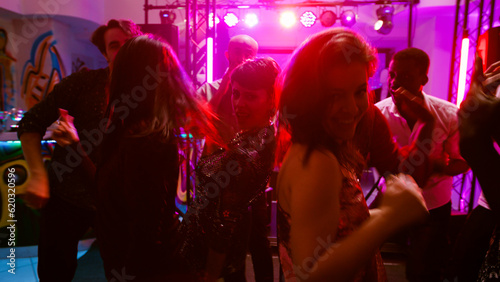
42 71
7 91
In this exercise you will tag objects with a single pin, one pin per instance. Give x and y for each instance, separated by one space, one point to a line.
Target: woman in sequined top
325 230
229 180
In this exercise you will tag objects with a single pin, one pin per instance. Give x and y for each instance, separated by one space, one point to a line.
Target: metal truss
196 31
464 185
483 10
198 28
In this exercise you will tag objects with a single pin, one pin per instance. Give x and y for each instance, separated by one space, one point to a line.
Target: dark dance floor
90 265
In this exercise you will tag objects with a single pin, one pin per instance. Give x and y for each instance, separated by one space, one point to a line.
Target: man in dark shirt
68 206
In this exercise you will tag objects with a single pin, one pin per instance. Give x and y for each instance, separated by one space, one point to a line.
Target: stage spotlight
348 18
251 19
308 19
384 23
167 17
328 18
211 20
231 19
288 19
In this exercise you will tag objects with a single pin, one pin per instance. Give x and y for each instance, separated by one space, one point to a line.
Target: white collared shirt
207 91
445 140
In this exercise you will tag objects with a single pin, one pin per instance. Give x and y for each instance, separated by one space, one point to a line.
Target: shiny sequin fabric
353 212
228 181
83 95
490 269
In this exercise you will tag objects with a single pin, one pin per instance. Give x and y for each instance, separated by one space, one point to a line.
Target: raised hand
476 113
415 104
492 79
65 134
402 202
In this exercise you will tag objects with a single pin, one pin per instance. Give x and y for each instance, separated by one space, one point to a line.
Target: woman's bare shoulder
299 158
319 165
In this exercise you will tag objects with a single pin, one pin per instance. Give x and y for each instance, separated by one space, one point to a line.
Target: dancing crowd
115 167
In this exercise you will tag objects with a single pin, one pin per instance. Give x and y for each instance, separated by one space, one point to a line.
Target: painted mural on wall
81 62
11 157
42 71
7 92
78 65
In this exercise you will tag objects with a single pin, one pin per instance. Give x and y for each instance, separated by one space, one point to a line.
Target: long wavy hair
151 95
303 93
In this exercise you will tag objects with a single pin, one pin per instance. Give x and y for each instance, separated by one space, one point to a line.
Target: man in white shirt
407 76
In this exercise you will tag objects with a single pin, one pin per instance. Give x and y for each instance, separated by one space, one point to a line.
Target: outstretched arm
401 206
37 191
386 155
314 193
66 135
33 127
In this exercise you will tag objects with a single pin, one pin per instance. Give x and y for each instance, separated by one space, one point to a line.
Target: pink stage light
464 57
211 20
210 59
288 19
308 19
348 18
251 19
231 19
384 23
328 18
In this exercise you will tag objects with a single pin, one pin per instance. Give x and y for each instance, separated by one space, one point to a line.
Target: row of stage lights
288 19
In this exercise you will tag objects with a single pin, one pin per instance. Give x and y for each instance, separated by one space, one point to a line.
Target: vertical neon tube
210 59
464 57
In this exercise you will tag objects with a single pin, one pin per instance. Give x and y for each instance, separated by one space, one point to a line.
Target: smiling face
347 93
253 108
